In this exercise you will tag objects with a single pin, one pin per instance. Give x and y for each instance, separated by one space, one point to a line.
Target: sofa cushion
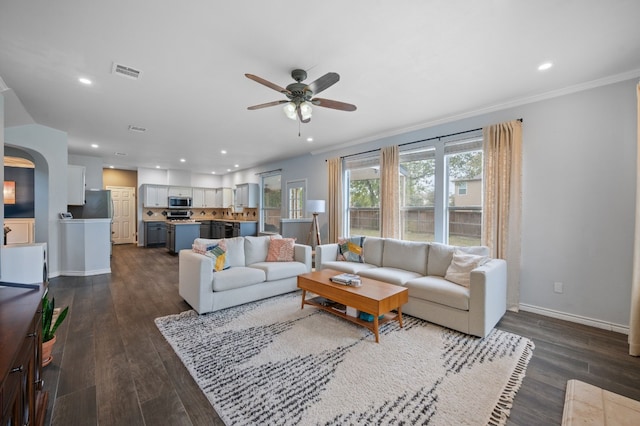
389 275
350 267
439 290
351 249
281 250
407 255
279 270
440 256
235 251
256 249
462 264
373 248
236 277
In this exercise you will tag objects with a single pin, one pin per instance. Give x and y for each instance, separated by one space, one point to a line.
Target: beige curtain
634 321
334 203
502 209
389 202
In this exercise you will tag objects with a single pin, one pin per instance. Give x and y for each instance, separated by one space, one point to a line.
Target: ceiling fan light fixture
290 110
305 110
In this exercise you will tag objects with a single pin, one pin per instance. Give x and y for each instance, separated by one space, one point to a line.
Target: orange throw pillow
281 250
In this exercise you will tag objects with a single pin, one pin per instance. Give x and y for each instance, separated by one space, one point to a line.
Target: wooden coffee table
373 297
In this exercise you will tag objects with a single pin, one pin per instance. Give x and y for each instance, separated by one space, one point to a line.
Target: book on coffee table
346 279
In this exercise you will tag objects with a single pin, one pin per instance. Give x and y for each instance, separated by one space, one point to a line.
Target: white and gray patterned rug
269 362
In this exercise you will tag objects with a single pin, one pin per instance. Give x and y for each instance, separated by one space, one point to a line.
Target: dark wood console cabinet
22 400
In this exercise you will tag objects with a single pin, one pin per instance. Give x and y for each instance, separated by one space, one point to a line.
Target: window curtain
334 203
389 201
502 209
634 321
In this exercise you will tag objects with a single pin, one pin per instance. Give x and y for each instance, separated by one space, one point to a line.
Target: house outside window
271 211
462 187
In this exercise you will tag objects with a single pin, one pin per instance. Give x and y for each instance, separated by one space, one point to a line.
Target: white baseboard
624 329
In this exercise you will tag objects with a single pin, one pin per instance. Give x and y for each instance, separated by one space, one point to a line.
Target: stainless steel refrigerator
97 205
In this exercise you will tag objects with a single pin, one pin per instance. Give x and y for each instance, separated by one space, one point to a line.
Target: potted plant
51 320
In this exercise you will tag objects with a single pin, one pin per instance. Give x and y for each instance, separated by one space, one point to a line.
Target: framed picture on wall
9 192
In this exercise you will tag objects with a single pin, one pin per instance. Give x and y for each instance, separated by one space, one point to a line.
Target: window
363 180
464 179
271 203
417 193
296 198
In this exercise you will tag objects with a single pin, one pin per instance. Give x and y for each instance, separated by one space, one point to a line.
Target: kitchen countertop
163 219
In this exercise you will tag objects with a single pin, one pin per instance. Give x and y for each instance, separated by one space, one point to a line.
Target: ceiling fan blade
268 104
266 83
328 103
324 82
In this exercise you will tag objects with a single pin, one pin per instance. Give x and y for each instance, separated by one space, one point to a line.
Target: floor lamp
315 207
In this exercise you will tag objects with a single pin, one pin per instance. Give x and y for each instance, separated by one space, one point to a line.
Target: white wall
48 148
579 170
93 169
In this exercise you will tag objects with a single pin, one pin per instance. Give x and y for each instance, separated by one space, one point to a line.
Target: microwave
179 202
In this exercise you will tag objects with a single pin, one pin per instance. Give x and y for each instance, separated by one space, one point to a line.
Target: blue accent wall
25 200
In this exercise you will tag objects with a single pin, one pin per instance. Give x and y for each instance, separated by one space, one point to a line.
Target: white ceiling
404 64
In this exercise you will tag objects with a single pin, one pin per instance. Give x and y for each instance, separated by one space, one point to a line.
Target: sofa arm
302 253
487 296
195 277
325 253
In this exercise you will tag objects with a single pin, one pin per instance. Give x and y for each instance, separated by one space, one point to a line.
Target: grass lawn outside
455 240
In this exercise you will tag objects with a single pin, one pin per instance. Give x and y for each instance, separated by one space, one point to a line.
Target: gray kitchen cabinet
180 236
243 229
205 229
155 234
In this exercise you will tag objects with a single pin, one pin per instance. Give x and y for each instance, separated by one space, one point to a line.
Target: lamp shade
315 206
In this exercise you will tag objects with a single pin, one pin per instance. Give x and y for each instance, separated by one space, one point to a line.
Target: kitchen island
180 235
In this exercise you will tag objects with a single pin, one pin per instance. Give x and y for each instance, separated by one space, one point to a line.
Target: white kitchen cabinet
155 196
223 197
247 195
180 191
204 197
198 198
75 185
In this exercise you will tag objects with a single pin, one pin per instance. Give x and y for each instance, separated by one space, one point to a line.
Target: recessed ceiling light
182 160
236 165
309 139
228 170
545 66
213 173
224 151
157 167
111 167
85 80
94 145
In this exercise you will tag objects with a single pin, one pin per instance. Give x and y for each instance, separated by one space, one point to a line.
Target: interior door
124 211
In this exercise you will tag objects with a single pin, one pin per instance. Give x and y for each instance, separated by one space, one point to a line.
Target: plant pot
47 347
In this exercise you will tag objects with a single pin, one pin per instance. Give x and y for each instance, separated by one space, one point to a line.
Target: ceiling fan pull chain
298 128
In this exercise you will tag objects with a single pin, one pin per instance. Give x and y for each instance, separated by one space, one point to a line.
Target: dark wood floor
113 367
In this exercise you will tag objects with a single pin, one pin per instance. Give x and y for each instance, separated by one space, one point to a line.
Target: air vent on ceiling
120 153
126 71
138 129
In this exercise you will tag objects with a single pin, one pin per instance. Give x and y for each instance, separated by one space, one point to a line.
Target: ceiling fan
300 95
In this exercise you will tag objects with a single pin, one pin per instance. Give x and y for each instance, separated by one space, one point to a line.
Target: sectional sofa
473 307
248 275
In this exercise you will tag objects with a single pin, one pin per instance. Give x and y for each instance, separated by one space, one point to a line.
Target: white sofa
421 267
249 276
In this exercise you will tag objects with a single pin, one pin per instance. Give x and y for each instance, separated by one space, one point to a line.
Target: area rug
270 362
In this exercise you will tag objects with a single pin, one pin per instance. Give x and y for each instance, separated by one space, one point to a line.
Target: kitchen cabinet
204 197
180 191
243 229
155 234
205 229
218 229
22 400
156 196
223 197
247 195
75 185
180 236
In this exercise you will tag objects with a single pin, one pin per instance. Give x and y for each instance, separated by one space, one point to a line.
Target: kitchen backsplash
247 214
